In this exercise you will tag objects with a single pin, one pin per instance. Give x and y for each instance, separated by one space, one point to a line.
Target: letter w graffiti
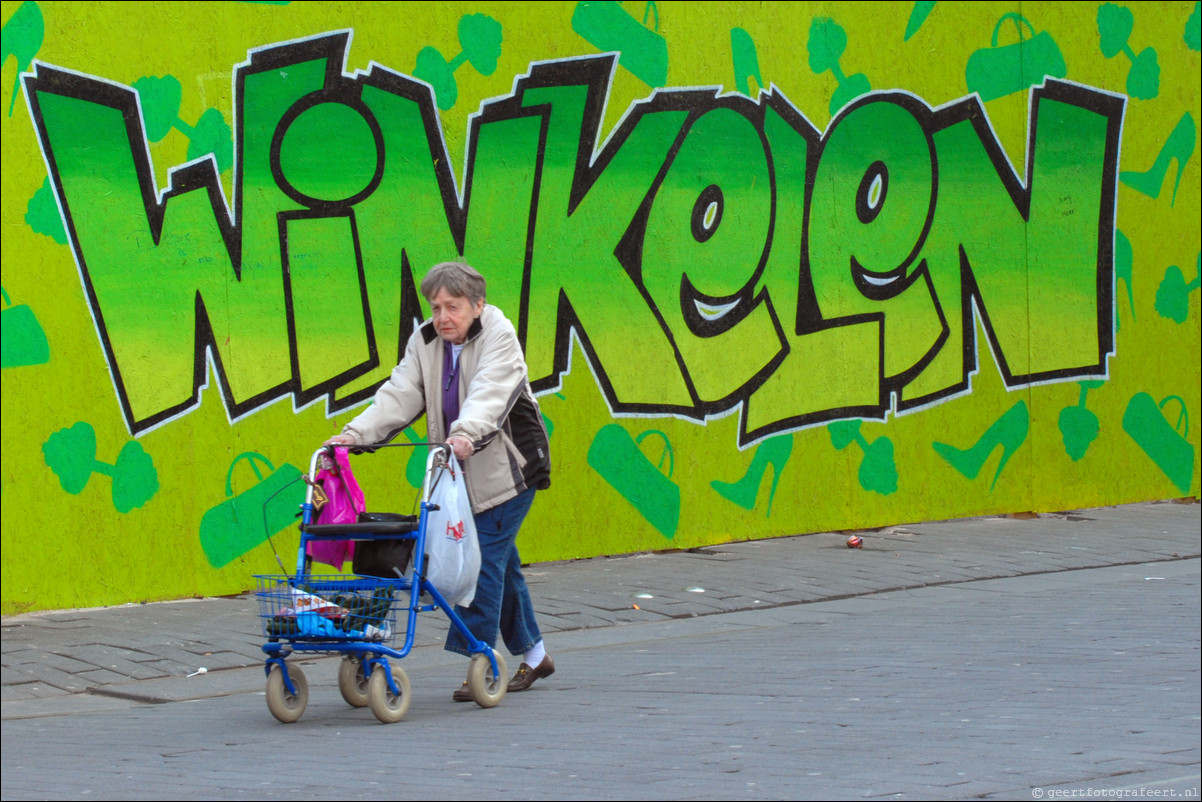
147 266
173 279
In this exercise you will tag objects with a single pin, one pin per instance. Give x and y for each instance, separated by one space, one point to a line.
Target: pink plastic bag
343 505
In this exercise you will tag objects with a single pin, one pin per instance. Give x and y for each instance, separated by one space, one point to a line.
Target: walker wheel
387 706
352 682
486 689
285 706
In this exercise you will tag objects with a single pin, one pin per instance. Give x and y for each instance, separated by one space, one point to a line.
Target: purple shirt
450 386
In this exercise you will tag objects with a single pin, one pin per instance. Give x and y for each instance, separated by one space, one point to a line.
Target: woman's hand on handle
340 440
461 446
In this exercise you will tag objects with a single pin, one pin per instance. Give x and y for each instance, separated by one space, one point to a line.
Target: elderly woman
465 370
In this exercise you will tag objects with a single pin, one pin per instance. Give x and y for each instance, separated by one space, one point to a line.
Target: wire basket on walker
356 615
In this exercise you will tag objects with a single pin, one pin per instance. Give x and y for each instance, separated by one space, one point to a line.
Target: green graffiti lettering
498 202
714 253
1038 263
707 236
406 223
147 268
329 322
817 379
576 280
267 90
872 203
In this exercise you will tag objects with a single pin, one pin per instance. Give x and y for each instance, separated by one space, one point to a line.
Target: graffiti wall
776 268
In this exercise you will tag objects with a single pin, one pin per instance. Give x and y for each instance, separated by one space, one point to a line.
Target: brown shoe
464 694
527 675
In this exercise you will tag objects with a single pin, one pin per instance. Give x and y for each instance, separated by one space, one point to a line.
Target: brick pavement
146 651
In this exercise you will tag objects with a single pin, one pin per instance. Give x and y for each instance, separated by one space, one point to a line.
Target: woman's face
453 315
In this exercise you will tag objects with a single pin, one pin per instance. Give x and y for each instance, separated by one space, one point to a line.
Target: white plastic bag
451 543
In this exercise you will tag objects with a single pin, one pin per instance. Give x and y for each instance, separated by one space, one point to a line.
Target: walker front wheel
387 706
487 690
352 682
284 705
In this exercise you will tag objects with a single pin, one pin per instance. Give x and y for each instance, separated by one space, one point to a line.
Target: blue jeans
502 601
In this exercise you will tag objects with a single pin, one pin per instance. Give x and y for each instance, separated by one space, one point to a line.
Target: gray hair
459 279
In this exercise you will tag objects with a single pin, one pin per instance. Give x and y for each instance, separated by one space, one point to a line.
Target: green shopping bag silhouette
241 522
1144 421
642 51
616 456
23 341
995 72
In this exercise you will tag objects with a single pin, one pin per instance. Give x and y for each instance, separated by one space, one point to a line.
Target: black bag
385 558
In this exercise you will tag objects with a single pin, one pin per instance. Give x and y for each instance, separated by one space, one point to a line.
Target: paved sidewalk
69 661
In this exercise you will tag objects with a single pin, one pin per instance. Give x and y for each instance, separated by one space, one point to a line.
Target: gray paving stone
925 667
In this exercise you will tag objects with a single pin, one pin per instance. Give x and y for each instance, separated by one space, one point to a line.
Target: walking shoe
464 694
527 675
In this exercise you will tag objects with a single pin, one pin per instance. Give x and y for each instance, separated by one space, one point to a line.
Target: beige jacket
497 409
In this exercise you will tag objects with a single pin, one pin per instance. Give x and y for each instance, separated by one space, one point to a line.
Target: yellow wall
1055 365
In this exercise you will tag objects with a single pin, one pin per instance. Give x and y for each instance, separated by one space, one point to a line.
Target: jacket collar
473 331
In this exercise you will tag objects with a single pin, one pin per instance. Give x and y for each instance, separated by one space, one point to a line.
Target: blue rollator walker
355 615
